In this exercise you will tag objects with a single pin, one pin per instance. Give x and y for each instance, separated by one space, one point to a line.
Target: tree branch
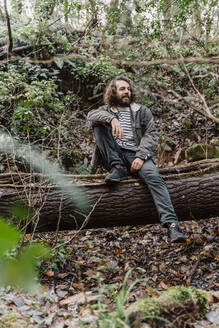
205 109
198 60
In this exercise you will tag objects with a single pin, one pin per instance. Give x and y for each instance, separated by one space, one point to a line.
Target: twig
102 175
59 138
59 219
122 323
95 96
58 19
199 60
206 110
194 268
82 226
214 166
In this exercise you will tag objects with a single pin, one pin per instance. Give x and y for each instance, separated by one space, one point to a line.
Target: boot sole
114 181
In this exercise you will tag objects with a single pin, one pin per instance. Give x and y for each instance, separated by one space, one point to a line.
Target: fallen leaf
83 309
165 279
207 250
120 251
27 236
101 263
162 267
183 268
127 267
78 286
184 259
81 298
90 272
82 264
193 224
49 273
213 296
61 293
154 278
165 246
152 292
178 244
162 285
118 278
62 275
154 268
177 274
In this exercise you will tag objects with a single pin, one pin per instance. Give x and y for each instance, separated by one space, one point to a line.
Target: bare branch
198 60
205 109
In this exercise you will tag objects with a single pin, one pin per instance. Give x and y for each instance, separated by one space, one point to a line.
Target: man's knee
149 172
100 128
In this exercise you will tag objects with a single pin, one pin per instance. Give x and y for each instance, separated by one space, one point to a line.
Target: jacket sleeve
149 140
100 115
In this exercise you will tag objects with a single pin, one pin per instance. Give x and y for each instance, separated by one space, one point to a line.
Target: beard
123 101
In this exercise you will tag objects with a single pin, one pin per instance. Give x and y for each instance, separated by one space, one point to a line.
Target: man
126 139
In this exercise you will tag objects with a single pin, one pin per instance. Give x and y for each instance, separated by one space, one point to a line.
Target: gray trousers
113 154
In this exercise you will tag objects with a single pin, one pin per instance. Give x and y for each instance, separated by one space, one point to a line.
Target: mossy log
201 151
194 191
172 305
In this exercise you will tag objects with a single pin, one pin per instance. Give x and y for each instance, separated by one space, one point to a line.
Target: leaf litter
98 259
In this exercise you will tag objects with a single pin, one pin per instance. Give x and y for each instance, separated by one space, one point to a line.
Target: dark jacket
144 130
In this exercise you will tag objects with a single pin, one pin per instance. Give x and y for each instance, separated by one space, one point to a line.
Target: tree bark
10 40
195 195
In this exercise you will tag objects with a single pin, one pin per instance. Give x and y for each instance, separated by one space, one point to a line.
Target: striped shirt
127 142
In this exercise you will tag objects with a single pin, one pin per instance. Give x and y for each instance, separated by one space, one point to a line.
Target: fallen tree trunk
194 191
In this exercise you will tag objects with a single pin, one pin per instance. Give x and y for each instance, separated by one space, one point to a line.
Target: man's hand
117 129
137 164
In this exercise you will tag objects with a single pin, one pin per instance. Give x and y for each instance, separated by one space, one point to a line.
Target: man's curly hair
109 97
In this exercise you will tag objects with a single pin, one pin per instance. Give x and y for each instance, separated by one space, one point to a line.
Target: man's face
123 93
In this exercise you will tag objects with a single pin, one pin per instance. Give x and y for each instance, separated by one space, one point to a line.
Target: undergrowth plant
117 318
59 256
18 263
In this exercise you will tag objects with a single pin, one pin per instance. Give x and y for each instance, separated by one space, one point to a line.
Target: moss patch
201 151
14 320
174 303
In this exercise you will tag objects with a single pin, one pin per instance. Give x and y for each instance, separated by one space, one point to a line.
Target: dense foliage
62 53
56 57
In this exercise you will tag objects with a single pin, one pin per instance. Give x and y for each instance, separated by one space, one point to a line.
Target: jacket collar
134 107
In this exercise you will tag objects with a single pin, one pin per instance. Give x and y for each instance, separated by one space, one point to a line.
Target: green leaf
20 211
35 252
21 271
59 62
68 61
9 237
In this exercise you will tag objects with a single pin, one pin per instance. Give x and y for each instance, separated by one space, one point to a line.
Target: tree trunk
2 16
167 14
197 29
195 195
10 40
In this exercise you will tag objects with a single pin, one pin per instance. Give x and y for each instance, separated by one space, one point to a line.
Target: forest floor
87 266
